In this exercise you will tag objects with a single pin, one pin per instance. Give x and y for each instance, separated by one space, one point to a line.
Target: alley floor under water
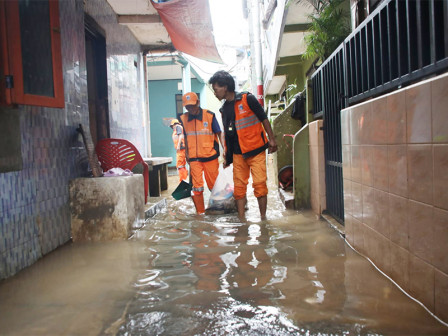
183 274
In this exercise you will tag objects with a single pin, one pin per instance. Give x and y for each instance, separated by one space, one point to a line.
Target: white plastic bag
221 198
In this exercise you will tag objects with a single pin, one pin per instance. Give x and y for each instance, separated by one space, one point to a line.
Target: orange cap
190 98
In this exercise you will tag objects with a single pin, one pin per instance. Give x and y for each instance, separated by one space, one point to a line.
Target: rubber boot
198 201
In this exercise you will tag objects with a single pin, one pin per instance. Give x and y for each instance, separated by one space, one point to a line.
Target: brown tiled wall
34 201
395 169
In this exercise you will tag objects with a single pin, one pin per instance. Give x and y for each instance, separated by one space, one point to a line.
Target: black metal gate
329 98
401 42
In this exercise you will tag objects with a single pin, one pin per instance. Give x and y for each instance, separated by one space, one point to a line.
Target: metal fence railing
401 42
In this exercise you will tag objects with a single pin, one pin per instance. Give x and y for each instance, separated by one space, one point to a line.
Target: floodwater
183 274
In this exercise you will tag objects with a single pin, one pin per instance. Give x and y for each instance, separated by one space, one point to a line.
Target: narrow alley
355 131
187 275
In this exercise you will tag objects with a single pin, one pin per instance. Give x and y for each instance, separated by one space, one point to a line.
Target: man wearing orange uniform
245 127
202 131
179 146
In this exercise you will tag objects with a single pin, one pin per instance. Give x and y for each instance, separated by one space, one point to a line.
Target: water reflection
290 275
184 274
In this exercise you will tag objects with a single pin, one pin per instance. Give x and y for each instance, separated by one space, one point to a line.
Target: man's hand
272 145
224 164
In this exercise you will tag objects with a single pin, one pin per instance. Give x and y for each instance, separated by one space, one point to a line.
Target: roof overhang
276 85
292 43
169 66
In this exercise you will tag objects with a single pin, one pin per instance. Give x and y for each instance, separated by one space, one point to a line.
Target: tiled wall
395 161
317 167
34 208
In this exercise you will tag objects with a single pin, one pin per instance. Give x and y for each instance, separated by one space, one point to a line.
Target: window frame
11 57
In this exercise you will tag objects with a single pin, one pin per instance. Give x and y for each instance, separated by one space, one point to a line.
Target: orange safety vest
176 138
251 134
202 143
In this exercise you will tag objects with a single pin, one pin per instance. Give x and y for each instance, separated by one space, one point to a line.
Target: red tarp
189 25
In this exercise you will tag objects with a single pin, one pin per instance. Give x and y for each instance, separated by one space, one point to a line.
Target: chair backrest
117 153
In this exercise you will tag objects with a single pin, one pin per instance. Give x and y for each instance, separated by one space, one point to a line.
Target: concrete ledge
334 224
106 208
287 198
154 206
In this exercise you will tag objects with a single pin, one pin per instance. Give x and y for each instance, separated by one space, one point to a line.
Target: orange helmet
174 122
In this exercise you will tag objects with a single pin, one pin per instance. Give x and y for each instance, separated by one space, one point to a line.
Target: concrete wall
302 188
395 159
317 167
295 73
162 106
284 124
125 75
34 201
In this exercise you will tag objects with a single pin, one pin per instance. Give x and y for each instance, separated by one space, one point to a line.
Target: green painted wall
162 104
295 69
302 179
284 124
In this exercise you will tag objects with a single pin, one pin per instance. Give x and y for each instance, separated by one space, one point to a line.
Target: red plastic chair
120 153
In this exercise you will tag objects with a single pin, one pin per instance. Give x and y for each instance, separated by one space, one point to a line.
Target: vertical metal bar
329 104
445 28
345 74
355 61
397 23
350 68
408 32
432 33
380 27
322 94
388 41
419 35
372 23
361 56
341 195
366 39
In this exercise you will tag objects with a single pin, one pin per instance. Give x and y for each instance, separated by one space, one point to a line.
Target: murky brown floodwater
186 275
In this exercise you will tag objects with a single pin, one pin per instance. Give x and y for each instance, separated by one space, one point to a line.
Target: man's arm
180 136
271 143
181 139
261 114
184 136
217 130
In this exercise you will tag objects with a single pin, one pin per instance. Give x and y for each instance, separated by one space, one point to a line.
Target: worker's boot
198 201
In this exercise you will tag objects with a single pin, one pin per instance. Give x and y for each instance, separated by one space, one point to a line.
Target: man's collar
238 95
197 116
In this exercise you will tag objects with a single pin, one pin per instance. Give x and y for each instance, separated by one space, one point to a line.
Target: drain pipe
146 119
186 76
255 14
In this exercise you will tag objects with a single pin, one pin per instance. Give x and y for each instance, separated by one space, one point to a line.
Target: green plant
330 25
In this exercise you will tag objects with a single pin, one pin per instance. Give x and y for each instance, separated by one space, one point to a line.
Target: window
31 65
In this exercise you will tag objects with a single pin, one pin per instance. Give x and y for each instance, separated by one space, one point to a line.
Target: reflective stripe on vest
201 141
251 134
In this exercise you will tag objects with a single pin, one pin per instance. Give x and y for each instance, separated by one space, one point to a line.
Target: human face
193 109
220 91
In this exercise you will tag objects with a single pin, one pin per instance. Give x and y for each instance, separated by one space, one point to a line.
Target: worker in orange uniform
179 146
245 126
202 133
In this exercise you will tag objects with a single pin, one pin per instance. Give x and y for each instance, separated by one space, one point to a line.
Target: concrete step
287 198
154 206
